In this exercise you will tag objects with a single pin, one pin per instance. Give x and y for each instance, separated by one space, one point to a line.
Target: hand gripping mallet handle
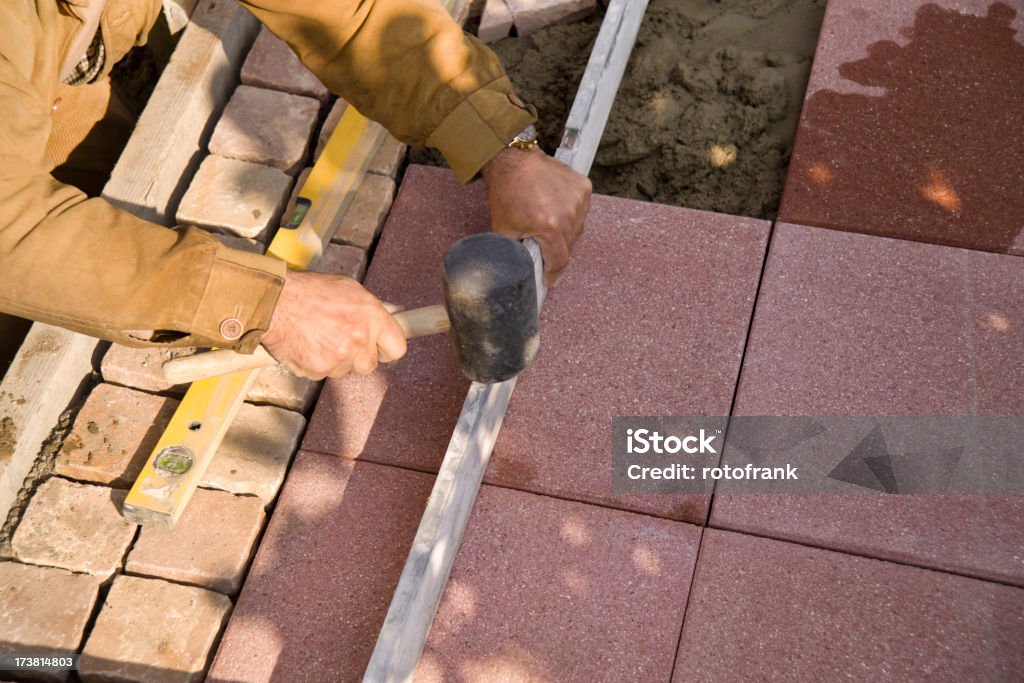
418 322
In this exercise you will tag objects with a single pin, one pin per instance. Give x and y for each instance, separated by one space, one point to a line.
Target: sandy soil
707 109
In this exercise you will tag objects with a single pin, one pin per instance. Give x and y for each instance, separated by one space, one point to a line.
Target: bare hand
534 195
328 326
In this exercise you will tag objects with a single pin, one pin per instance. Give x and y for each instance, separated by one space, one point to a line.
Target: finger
365 362
555 249
391 344
341 370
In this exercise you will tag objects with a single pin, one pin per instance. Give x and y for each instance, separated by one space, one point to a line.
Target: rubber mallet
490 311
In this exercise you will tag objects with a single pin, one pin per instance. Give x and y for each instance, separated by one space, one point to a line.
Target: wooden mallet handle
418 322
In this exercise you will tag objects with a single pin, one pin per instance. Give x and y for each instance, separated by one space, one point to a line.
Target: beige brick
152 631
143 369
210 546
272 64
343 259
237 197
44 611
330 123
531 16
279 387
74 526
388 158
495 21
254 456
113 435
365 216
266 127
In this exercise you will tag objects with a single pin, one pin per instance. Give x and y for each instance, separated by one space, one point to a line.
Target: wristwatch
526 139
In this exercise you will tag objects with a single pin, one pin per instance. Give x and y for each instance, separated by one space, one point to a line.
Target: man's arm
86 265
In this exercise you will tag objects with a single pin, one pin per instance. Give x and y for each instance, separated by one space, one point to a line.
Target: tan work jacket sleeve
409 66
86 265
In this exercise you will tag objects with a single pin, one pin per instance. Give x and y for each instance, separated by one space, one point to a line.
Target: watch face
528 134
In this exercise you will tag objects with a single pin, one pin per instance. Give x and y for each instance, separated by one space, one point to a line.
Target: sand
707 109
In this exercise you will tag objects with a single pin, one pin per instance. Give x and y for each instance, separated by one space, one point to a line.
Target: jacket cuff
481 126
239 300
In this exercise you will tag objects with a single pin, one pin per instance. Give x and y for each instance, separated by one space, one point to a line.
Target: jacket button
231 329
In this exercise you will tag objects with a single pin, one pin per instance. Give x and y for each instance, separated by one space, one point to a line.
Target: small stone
330 123
45 610
210 545
152 631
273 64
388 158
241 198
531 16
78 527
254 456
266 127
343 259
279 387
365 216
113 435
495 22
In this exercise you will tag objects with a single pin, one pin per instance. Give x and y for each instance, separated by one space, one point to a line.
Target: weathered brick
343 259
45 610
152 631
330 123
279 387
113 435
532 15
210 546
495 22
272 64
365 216
238 197
388 158
74 526
266 127
254 456
143 369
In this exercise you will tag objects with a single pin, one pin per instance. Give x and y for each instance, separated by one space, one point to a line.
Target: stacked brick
157 600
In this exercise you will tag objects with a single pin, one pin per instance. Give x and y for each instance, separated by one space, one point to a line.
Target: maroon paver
316 595
650 319
404 413
552 590
911 126
673 284
272 64
852 324
762 609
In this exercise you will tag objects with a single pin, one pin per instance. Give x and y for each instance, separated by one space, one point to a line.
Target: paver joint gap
865 556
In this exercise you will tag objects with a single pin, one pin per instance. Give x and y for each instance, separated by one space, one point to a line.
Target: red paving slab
404 413
323 577
762 609
553 590
650 319
852 324
911 125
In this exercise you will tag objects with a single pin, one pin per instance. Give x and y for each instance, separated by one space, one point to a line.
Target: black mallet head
491 296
